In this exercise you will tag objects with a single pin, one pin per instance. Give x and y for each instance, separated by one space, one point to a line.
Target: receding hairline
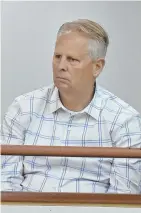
98 39
88 28
83 36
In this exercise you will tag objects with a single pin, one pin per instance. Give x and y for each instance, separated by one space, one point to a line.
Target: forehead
73 43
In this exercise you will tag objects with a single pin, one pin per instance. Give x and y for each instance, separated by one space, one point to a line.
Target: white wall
28 35
68 209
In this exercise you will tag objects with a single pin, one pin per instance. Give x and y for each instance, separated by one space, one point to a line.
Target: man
73 111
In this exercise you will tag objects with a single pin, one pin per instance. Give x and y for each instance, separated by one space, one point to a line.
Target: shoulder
114 107
43 93
34 100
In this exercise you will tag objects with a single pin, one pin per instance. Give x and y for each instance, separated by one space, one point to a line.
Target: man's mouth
62 78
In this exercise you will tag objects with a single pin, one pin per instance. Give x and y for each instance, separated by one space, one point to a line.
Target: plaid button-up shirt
39 118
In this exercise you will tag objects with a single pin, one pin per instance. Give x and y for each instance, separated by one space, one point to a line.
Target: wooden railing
70 198
70 151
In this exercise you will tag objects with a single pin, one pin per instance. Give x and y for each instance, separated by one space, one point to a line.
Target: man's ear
98 66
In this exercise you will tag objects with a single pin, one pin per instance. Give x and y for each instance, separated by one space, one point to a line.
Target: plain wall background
28 36
68 209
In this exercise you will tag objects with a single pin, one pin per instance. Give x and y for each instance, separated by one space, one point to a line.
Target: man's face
72 66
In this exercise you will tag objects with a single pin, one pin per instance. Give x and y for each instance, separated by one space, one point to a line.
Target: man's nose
63 64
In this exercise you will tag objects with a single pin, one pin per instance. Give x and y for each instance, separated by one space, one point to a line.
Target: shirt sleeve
12 133
125 174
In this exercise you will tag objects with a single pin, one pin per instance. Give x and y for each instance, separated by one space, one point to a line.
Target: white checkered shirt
38 118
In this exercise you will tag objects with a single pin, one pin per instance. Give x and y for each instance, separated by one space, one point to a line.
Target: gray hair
98 38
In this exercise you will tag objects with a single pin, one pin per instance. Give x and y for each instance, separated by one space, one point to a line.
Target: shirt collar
95 106
93 109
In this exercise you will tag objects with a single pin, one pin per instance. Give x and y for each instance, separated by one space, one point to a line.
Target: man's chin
62 85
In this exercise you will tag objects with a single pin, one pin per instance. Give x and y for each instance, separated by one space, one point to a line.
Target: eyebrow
68 56
71 56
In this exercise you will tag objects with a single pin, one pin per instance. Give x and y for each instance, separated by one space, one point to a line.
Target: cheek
54 66
83 75
77 75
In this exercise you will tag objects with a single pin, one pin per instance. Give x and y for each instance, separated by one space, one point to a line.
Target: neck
77 100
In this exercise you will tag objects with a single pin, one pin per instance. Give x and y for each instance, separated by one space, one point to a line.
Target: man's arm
12 133
126 173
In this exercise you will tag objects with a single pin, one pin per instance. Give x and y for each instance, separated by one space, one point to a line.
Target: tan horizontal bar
70 198
70 151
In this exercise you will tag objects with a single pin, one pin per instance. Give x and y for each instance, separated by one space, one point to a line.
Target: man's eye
73 60
58 56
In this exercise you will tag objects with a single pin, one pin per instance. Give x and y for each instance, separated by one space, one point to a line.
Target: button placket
68 129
